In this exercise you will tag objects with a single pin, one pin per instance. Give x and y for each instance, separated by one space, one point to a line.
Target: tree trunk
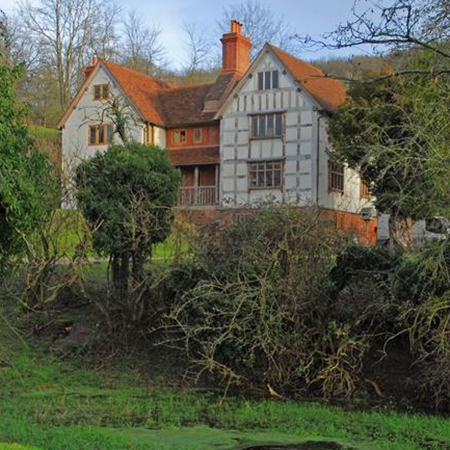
399 232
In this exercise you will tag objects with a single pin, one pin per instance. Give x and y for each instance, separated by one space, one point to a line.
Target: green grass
44 132
54 405
69 225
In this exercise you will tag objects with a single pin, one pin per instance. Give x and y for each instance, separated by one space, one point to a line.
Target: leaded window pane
267 76
110 131
275 79
277 178
278 125
270 125
260 81
97 92
262 126
101 135
92 135
255 126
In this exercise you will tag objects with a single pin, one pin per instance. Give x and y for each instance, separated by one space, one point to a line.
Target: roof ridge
191 86
137 72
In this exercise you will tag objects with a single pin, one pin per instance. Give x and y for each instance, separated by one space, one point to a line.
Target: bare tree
261 24
105 35
62 30
198 47
141 47
13 49
5 40
401 26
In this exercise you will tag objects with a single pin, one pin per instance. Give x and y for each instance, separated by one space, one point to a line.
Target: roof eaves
305 90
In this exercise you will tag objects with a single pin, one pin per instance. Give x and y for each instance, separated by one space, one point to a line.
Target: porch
199 185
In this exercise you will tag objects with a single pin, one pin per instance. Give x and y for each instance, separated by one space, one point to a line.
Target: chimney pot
236 27
88 70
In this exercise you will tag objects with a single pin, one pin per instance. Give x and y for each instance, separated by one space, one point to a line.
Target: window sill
266 138
279 188
335 191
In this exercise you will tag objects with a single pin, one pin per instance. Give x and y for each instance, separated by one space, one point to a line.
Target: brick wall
353 224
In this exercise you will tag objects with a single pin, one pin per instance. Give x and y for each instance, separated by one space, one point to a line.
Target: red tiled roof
184 105
166 105
329 93
188 156
141 89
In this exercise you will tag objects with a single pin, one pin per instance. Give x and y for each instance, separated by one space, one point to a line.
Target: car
432 228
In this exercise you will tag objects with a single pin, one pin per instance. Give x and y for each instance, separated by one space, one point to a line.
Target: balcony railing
198 196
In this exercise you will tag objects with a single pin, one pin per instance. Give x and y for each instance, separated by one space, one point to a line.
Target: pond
313 445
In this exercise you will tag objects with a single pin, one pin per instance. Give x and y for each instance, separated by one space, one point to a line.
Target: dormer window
268 80
101 92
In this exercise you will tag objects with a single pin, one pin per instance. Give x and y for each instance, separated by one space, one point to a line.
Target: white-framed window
269 79
265 174
335 177
267 125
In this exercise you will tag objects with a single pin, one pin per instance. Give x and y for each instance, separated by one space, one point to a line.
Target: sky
312 17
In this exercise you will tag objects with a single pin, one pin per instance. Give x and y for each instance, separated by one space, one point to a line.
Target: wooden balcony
198 196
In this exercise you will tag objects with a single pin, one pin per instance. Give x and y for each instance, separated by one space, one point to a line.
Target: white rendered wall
350 200
75 134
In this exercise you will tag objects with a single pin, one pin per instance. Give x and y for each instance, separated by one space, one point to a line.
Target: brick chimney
235 50
91 67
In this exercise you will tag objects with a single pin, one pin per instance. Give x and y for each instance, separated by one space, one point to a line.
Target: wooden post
196 185
217 183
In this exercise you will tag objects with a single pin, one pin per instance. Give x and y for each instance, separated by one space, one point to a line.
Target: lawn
50 404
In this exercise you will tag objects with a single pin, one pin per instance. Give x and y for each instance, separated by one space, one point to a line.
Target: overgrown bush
259 314
425 316
365 279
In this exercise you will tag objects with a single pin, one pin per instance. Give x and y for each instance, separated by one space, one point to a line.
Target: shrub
127 195
26 183
259 314
366 278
